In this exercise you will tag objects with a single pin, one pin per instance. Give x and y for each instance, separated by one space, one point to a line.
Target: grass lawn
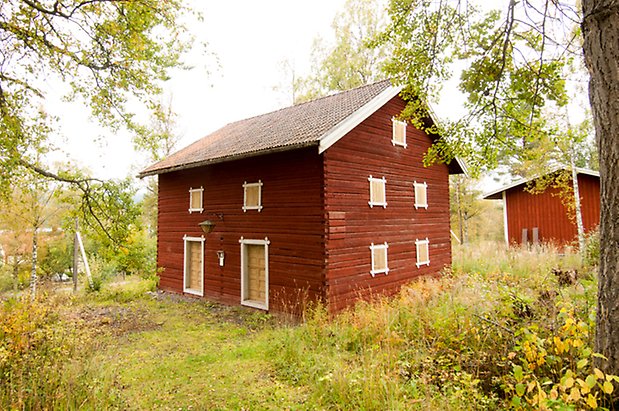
498 332
190 354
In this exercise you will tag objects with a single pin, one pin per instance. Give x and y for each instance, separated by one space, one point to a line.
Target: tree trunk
15 276
33 275
600 28
578 209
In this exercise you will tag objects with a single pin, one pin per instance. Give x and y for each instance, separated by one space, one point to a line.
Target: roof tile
300 125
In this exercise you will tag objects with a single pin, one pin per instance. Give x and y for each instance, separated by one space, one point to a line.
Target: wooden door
256 273
194 266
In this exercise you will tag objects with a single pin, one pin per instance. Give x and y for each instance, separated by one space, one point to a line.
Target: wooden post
84 259
75 255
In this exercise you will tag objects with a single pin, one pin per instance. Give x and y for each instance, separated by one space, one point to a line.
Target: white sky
239 78
250 39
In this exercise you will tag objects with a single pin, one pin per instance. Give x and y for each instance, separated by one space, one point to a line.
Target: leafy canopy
110 54
513 71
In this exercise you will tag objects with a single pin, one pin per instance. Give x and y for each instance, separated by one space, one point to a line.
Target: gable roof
321 122
498 194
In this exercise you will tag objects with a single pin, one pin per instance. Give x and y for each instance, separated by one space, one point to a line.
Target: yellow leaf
592 402
608 387
574 394
598 373
569 382
554 394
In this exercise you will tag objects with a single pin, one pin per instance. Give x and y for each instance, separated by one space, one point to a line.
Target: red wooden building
531 218
326 200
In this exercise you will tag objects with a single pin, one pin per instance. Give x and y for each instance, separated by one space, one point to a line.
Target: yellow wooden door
195 266
256 276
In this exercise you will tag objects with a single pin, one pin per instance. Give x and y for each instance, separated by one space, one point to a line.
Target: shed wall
546 212
291 218
352 225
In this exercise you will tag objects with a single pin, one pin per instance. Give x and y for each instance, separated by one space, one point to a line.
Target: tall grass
476 338
43 357
448 343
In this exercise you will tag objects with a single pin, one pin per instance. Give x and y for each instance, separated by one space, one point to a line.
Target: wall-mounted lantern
221 256
208 226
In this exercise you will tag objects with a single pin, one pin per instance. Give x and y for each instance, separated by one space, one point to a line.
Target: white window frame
425 189
192 208
374 247
244 301
245 186
418 244
384 181
394 123
187 239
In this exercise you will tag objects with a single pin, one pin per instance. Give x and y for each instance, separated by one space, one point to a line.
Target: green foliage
554 370
471 217
592 249
126 49
56 255
138 255
514 74
351 61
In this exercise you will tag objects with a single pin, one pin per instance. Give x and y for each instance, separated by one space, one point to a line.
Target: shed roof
498 194
320 122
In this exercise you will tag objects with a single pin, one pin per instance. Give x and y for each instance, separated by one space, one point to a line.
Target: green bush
592 249
450 343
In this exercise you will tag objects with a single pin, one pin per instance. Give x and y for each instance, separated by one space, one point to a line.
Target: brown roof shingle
285 129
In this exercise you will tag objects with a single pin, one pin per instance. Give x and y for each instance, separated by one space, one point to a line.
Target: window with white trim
421 195
379 258
195 200
252 196
423 252
378 195
399 132
193 267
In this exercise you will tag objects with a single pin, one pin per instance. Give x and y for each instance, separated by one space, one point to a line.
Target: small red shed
326 200
542 217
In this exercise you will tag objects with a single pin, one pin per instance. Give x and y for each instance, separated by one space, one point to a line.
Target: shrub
591 255
555 370
35 345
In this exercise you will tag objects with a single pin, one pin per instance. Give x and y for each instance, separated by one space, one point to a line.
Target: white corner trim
333 135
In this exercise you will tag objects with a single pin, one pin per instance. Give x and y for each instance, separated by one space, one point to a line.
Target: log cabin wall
352 225
545 212
291 218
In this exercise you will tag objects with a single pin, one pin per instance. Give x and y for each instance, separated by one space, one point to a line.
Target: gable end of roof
333 135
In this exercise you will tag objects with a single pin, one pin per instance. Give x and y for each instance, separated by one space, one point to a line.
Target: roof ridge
292 126
340 92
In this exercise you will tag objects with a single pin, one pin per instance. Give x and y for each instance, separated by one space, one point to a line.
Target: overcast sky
236 79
